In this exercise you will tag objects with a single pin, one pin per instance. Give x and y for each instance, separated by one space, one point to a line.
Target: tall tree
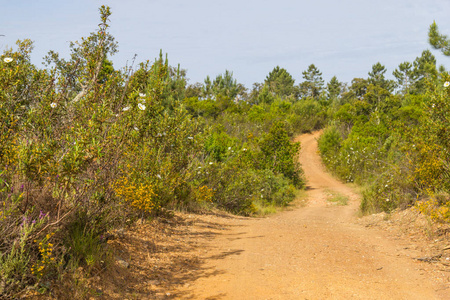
376 77
424 69
357 90
438 41
313 84
224 85
404 75
334 88
411 77
207 91
425 65
280 82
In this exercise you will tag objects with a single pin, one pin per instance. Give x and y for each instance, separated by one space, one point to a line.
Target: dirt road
314 252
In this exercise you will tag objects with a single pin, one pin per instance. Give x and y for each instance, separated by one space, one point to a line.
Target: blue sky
343 38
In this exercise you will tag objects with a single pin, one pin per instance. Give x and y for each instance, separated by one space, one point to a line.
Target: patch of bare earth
157 259
419 238
319 251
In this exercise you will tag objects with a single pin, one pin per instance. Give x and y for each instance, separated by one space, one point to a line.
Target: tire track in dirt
313 252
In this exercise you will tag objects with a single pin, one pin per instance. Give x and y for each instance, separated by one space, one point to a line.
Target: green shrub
329 143
280 155
307 115
84 147
218 144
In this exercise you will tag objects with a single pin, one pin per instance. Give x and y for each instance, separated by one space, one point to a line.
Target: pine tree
376 77
223 84
280 82
313 84
405 77
411 77
438 41
334 88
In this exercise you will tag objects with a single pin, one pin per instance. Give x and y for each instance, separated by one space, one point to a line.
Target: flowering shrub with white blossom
397 147
80 141
85 147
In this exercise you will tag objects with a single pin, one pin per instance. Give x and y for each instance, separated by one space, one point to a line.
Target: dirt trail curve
313 252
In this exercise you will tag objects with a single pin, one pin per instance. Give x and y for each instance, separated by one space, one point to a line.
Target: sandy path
313 252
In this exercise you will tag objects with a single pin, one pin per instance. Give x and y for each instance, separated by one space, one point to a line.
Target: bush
329 144
307 115
280 155
218 144
84 147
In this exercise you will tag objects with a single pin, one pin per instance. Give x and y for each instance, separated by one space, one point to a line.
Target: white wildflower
211 163
7 59
141 106
135 128
141 95
53 105
126 108
190 138
446 84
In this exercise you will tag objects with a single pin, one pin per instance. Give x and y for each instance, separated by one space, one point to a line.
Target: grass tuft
337 198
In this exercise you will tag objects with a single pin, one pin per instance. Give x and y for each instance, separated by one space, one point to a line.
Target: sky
248 37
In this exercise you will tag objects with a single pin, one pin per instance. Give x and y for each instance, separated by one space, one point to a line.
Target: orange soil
319 251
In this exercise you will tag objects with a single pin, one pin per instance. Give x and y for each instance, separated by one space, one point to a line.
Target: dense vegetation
86 148
392 136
